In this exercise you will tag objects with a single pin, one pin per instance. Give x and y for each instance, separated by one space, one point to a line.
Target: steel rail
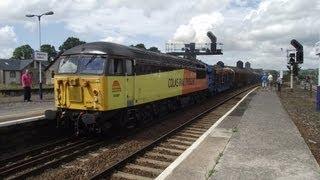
105 174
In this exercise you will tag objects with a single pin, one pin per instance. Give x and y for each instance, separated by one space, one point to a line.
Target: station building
11 70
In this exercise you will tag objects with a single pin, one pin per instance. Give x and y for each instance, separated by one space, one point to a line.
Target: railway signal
294 58
191 50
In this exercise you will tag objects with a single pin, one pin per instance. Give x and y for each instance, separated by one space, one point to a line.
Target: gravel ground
300 105
86 166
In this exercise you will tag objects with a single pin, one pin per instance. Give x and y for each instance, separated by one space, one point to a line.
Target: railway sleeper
173 146
169 151
161 157
185 138
174 141
123 175
197 129
152 162
142 170
196 133
192 131
188 135
199 126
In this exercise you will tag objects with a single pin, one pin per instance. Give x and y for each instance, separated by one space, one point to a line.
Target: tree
49 49
154 49
70 43
23 52
140 46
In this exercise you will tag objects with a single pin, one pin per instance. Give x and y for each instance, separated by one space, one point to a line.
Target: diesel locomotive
101 85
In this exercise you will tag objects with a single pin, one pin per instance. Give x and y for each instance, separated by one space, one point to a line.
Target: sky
258 31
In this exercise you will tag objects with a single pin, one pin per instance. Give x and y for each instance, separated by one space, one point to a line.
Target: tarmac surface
258 140
12 108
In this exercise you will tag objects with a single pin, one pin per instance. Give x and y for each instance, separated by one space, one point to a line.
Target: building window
12 74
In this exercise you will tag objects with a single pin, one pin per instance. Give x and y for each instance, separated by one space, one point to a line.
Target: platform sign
40 56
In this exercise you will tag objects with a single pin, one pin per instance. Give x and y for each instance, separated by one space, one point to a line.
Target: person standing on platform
26 80
264 80
279 83
270 79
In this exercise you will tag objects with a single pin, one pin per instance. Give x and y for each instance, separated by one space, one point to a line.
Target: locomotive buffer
191 50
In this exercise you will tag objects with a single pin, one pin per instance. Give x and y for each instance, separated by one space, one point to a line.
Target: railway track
152 159
34 162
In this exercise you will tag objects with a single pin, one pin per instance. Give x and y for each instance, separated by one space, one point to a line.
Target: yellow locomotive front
80 83
80 89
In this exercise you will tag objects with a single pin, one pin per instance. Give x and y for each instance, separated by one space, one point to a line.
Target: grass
212 171
235 129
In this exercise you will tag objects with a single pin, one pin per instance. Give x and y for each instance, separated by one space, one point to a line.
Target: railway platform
257 140
18 111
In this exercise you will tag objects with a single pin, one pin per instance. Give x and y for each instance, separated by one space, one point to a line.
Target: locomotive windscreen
83 64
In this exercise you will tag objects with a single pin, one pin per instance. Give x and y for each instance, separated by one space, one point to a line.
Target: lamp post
39 23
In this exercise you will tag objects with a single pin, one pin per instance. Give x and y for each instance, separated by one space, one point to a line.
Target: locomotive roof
121 50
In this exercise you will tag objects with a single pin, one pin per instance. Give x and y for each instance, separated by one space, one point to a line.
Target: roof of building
17 64
14 64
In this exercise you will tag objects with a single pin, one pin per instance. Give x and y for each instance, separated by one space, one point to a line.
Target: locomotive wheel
147 114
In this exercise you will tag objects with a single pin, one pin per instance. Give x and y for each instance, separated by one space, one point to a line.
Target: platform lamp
39 23
317 50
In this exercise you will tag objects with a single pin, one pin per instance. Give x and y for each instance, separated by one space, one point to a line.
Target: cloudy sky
251 30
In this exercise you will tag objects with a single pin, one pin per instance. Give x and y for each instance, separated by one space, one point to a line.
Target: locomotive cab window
115 67
86 64
91 65
129 65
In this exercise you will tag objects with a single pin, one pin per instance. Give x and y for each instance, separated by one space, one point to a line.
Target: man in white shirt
270 80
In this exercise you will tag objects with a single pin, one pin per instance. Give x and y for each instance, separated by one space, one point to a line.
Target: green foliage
70 43
49 49
141 46
154 49
23 52
312 73
211 172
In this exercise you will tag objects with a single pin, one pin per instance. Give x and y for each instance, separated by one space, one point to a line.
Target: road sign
40 56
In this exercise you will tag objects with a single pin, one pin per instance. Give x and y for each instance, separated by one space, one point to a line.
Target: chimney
239 64
247 65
